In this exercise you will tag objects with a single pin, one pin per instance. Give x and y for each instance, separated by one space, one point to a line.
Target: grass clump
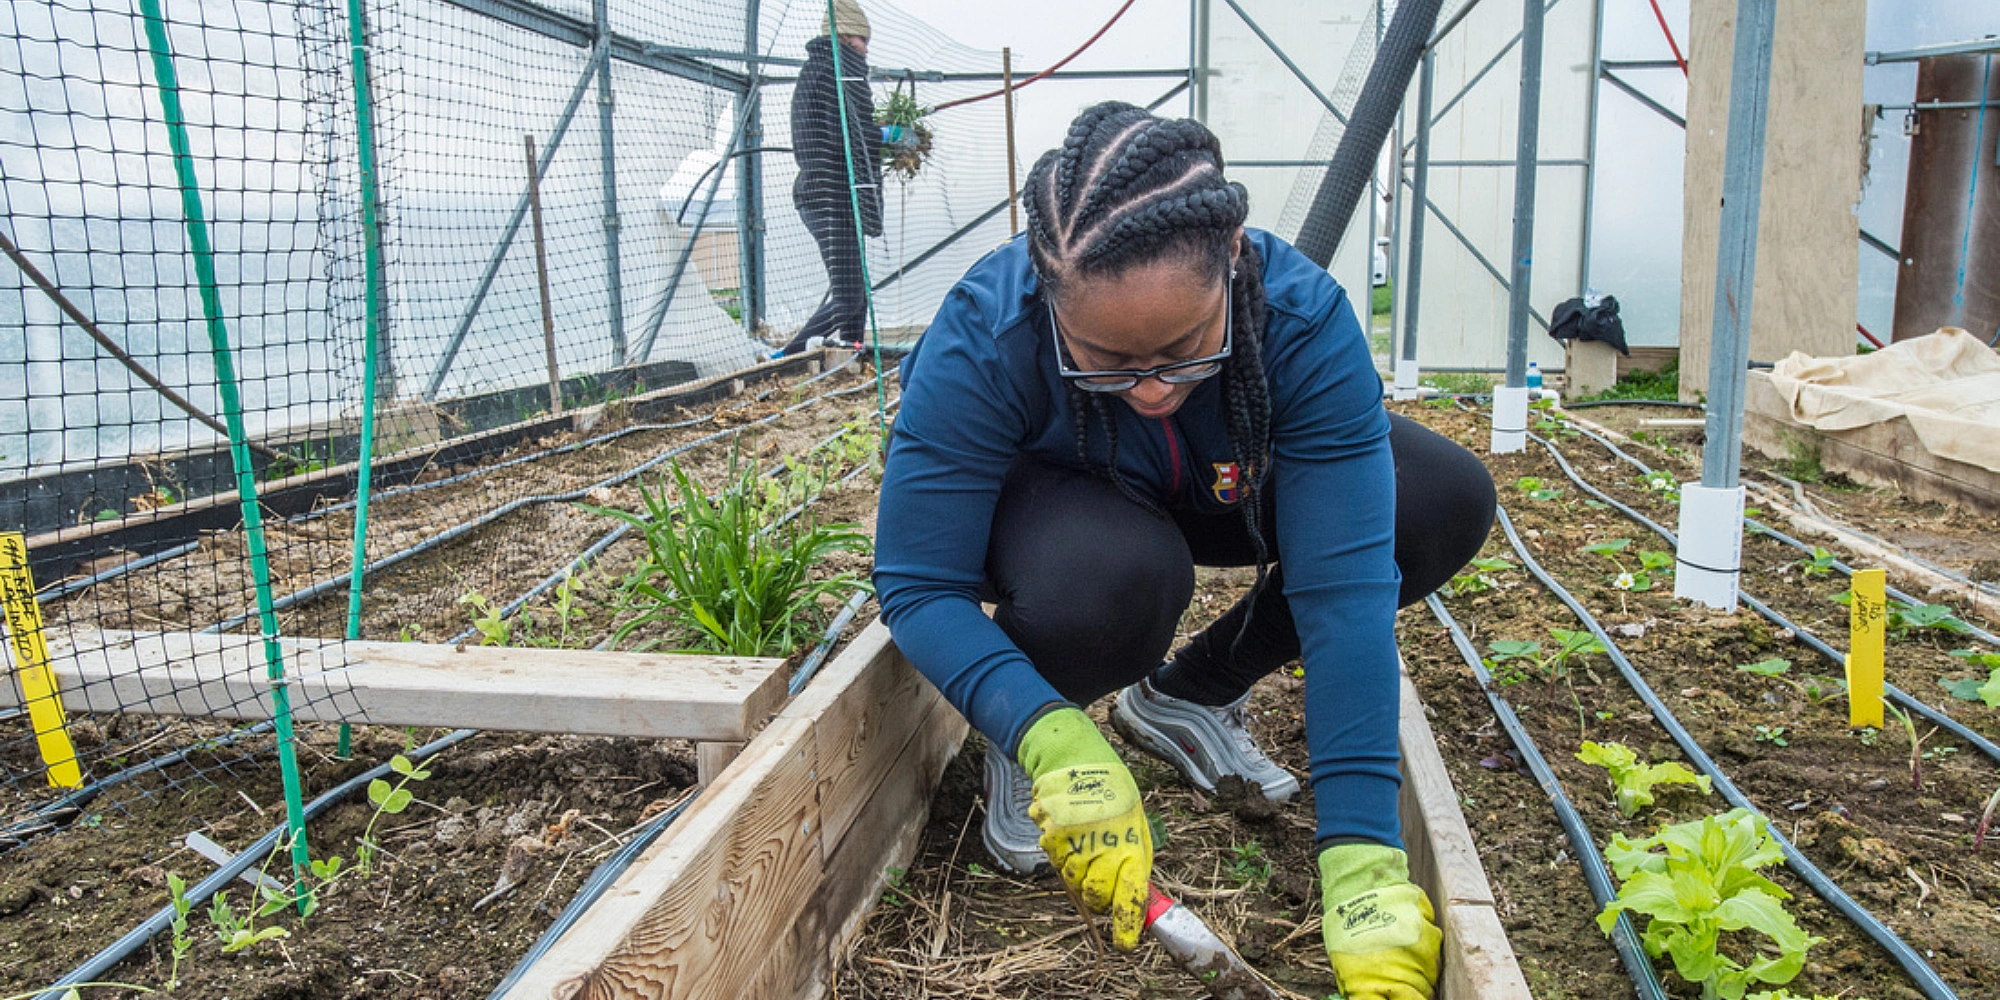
726 574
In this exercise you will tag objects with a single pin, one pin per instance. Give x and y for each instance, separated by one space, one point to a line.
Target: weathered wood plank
739 899
403 684
1478 962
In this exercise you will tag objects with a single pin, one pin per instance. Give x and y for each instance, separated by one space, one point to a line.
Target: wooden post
1007 97
542 277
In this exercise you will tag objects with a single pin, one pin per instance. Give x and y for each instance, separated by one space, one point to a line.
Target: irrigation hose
601 878
1926 978
1929 713
104 961
464 528
1625 936
612 537
1845 570
43 820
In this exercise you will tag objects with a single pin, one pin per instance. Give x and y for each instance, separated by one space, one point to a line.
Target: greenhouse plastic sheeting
1946 384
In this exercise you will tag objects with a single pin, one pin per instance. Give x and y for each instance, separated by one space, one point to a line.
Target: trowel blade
1201 951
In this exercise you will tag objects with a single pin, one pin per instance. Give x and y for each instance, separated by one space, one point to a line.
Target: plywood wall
1807 236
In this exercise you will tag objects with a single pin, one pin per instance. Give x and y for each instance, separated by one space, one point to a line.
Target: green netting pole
364 128
854 202
232 411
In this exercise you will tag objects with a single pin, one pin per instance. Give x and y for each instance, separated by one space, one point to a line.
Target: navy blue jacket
822 180
981 387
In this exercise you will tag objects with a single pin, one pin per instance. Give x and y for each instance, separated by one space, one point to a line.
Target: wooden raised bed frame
760 887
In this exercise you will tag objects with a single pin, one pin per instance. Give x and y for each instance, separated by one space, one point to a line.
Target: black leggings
844 314
1090 586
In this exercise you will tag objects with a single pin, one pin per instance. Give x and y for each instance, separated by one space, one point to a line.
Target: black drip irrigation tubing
91 790
61 590
612 537
607 872
1930 713
1625 936
1845 570
44 817
341 582
198 893
1926 978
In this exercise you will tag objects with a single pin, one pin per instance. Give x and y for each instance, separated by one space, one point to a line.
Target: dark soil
502 833
956 927
953 925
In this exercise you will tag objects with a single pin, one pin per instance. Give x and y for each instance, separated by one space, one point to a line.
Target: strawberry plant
1536 489
1637 580
1633 779
1815 688
1973 688
1696 882
1819 564
1479 577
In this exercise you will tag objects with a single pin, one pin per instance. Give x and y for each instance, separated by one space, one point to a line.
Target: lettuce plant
1696 882
1634 778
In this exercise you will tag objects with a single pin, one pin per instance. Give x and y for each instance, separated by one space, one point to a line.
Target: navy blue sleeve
1335 484
962 422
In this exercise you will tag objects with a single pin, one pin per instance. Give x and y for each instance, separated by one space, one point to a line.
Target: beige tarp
1946 384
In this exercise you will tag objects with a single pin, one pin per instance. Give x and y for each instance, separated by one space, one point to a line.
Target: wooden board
757 887
1807 237
415 684
1478 962
1884 454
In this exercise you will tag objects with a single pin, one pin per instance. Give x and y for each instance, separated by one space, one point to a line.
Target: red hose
1870 336
1065 61
1669 32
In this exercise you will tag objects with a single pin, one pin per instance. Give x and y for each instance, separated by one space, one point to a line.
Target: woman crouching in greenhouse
1139 386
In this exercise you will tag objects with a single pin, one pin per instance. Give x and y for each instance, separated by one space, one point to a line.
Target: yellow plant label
1867 622
30 651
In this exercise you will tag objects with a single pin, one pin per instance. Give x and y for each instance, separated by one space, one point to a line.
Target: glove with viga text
1381 934
1093 825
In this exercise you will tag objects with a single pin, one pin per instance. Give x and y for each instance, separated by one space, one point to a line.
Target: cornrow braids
1129 189
1247 401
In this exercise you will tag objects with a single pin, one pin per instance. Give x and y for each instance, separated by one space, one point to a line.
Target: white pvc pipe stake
1510 419
1710 555
1406 379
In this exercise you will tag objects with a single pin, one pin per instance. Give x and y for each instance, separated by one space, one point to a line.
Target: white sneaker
1201 742
1014 840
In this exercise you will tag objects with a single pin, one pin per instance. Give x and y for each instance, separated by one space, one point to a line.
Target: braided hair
1128 189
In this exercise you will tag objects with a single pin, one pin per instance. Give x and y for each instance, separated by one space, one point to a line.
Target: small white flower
1624 581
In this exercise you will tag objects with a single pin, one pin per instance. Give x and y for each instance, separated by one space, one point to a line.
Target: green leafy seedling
1633 779
1479 577
1511 659
492 624
177 887
1815 688
1695 882
1248 864
1536 489
1819 564
1639 579
1972 688
1774 735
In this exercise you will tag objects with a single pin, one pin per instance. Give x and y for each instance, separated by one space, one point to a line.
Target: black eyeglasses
1121 379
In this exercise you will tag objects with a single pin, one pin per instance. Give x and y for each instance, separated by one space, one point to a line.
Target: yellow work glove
1381 935
1092 823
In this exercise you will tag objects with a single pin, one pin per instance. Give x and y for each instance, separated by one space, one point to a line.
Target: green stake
232 408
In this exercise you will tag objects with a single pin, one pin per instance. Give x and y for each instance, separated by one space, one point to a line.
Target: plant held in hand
1634 778
1696 882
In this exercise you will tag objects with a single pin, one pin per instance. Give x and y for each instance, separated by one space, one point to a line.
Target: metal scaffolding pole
1590 140
1711 522
607 154
750 190
1413 280
1510 402
1278 51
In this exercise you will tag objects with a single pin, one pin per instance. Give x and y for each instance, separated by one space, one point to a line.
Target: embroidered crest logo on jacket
1228 482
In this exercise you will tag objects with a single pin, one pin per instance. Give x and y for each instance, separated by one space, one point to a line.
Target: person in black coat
821 193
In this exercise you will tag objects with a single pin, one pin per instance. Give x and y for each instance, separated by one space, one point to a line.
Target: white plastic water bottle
1534 378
